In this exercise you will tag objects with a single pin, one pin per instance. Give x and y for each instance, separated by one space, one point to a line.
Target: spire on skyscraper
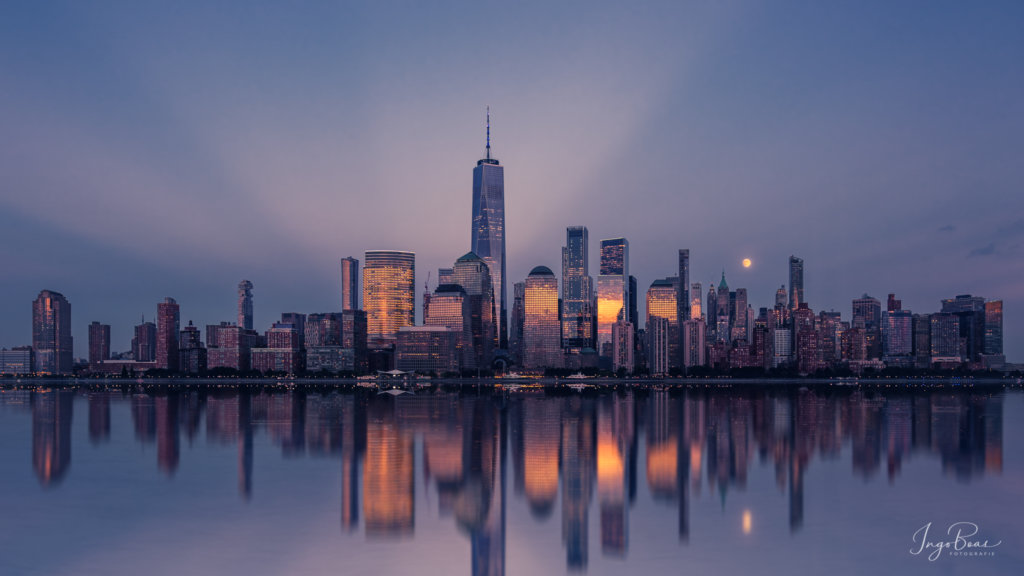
488 131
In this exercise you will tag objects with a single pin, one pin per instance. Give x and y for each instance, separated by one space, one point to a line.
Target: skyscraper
350 283
245 304
51 333
867 314
695 301
897 332
518 318
612 291
473 275
542 345
622 346
488 233
723 322
694 342
451 307
389 292
99 342
683 298
662 303
144 342
796 282
994 328
577 289
168 326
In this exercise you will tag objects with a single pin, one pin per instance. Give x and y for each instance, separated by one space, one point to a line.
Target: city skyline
667 136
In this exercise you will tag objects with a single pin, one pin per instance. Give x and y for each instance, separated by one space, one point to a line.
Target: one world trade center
489 228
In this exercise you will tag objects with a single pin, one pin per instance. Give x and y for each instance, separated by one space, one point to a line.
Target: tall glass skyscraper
473 275
542 342
51 333
577 289
796 282
683 298
662 303
389 292
612 291
245 304
349 284
488 232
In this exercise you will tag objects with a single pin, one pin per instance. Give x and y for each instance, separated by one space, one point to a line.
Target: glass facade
897 333
694 342
695 301
945 335
994 327
99 342
51 333
389 292
518 317
473 275
577 289
426 349
662 303
542 345
350 284
245 304
168 326
450 307
796 282
612 291
682 299
488 234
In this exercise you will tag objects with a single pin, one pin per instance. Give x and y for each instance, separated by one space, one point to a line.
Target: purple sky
151 152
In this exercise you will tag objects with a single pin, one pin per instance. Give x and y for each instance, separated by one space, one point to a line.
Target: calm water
695 481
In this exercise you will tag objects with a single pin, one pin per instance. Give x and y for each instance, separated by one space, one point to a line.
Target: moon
746 262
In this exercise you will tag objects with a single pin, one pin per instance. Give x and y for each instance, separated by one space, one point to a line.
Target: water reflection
584 450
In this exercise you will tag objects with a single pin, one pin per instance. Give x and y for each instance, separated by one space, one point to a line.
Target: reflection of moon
747 522
746 263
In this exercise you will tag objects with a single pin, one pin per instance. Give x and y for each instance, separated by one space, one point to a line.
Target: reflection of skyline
580 449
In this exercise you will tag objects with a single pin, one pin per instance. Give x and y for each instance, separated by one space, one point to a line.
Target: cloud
947 228
984 251
1012 230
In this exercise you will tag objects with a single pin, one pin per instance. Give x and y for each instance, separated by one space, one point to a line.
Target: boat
578 376
513 375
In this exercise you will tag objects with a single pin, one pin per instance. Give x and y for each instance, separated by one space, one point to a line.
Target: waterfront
287 479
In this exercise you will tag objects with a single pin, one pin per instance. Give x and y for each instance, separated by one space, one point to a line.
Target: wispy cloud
989 250
947 228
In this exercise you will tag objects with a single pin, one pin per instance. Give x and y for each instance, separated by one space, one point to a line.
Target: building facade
245 304
657 333
796 282
99 342
694 342
662 302
451 307
542 344
51 333
488 229
426 349
473 275
612 291
622 346
168 325
389 292
350 286
577 289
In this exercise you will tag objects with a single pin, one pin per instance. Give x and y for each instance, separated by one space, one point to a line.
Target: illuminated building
662 302
331 358
738 315
783 346
335 341
51 333
780 297
350 284
577 289
245 304
695 301
229 346
694 342
796 282
612 291
542 346
168 324
622 346
17 360
994 328
945 335
634 313
427 349
191 354
99 342
488 230
298 322
473 275
964 303
723 333
389 292
897 333
867 314
445 276
450 307
282 352
322 330
657 333
144 342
